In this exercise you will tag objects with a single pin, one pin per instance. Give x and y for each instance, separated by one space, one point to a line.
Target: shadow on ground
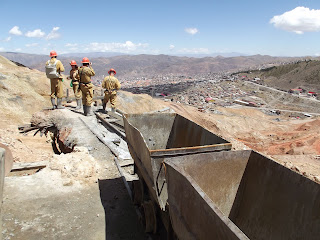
121 219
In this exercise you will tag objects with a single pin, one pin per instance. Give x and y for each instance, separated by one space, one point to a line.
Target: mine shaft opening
58 143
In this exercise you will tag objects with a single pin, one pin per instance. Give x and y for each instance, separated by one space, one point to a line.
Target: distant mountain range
113 54
144 65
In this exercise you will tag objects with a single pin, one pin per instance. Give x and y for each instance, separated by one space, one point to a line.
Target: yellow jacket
111 83
85 74
74 76
59 65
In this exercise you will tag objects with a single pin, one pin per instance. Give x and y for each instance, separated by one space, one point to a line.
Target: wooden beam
19 166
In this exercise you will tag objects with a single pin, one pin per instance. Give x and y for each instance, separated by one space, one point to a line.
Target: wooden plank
17 166
119 131
111 120
22 127
125 163
190 150
117 116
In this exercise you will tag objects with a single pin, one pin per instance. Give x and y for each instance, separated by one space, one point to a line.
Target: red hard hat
53 54
73 63
85 60
112 70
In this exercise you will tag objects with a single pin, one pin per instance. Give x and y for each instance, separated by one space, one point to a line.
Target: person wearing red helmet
85 73
74 76
53 69
111 85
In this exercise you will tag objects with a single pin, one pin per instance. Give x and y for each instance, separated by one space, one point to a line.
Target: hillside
25 58
143 65
22 91
303 74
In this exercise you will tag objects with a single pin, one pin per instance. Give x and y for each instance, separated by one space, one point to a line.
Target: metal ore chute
205 191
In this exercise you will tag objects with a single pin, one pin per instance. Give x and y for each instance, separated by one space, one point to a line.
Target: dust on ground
79 195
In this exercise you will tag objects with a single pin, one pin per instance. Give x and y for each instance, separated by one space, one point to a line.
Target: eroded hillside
299 74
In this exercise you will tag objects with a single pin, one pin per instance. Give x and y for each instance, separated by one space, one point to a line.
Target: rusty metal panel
274 202
194 208
137 146
151 137
190 150
186 133
155 128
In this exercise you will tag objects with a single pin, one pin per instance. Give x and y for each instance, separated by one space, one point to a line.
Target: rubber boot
59 103
53 102
89 112
78 104
85 111
104 107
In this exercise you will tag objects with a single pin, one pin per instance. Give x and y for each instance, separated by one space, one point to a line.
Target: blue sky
277 28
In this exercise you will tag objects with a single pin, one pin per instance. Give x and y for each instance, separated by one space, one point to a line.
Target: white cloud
1 49
71 45
18 50
191 31
171 46
54 33
298 20
194 50
32 45
37 33
15 31
7 39
126 47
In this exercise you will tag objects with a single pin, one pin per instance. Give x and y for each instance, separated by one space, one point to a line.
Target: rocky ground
79 195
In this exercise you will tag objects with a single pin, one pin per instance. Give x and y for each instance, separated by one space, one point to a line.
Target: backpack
51 70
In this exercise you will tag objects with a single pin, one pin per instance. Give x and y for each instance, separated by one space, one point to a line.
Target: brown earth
22 92
297 74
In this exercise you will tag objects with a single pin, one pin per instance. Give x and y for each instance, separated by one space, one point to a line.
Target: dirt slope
22 93
304 74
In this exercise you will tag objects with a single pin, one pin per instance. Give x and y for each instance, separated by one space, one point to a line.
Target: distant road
281 91
291 111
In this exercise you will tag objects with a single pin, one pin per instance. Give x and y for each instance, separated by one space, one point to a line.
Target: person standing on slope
74 76
111 84
85 73
53 69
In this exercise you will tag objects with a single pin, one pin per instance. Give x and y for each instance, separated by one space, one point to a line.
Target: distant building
209 99
252 104
313 94
237 101
296 91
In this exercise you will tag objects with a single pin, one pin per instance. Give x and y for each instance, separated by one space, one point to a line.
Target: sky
176 27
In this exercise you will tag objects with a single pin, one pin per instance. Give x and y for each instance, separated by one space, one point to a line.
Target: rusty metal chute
151 137
240 195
